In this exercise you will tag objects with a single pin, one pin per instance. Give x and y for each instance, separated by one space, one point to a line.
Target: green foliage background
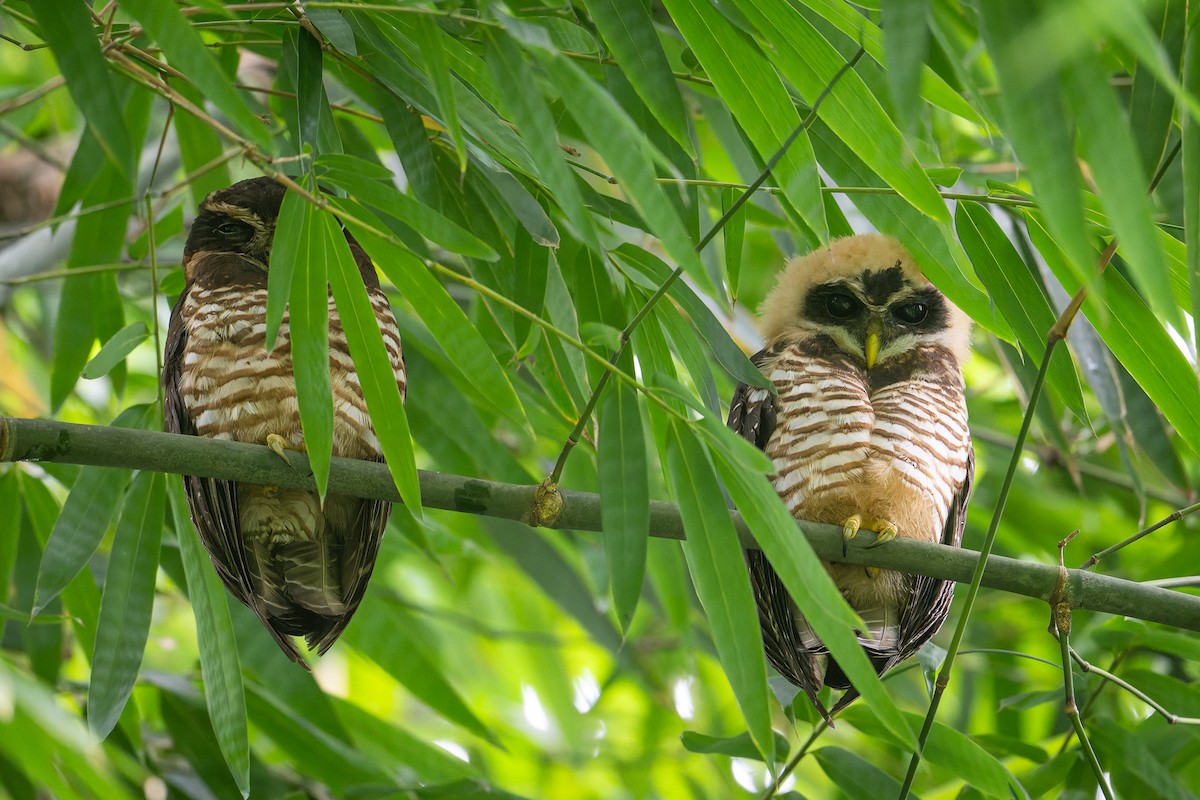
526 177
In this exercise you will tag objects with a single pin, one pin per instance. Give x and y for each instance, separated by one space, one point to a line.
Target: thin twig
1172 719
1174 516
794 761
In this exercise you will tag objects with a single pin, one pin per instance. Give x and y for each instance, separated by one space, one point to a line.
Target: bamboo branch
96 445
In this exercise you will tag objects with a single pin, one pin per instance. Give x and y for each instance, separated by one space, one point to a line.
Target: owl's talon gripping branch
850 530
278 444
887 532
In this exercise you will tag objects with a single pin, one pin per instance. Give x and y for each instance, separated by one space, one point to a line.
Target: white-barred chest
233 388
834 437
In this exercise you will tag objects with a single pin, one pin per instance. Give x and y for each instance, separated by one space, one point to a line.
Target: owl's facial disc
877 314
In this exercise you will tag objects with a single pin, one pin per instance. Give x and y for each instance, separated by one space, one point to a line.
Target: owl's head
237 219
866 294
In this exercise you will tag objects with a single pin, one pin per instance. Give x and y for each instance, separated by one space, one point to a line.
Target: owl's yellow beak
872 345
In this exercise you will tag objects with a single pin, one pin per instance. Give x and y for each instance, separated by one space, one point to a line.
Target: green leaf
808 583
850 110
386 199
714 557
437 309
733 237
1191 171
1112 155
740 746
385 634
758 100
724 349
1039 129
116 349
854 775
325 757
376 373
1018 296
309 334
67 29
624 495
127 602
1150 103
630 156
188 53
220 667
1139 341
332 24
958 753
629 32
523 205
84 519
429 37
905 26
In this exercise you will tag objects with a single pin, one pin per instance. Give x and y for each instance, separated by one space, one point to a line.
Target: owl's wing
359 550
212 502
931 597
752 414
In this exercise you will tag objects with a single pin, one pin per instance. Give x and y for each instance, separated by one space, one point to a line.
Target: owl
301 566
867 428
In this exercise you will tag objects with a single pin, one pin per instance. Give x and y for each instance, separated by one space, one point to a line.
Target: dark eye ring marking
232 229
842 306
911 313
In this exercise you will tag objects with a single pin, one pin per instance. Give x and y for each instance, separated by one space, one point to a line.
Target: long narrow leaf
376 373
220 668
714 558
624 496
127 602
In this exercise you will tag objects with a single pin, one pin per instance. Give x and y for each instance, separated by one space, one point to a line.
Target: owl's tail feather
311 577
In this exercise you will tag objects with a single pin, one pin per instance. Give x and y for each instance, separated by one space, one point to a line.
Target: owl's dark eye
911 313
841 306
233 230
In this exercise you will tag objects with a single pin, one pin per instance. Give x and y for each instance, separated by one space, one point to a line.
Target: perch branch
62 442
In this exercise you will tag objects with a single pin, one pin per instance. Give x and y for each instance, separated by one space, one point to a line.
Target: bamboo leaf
1139 341
187 52
84 519
1039 129
1112 154
116 349
718 570
629 155
850 110
220 667
67 29
905 26
376 373
383 634
429 39
724 349
351 174
733 237
624 495
629 33
1191 165
309 337
854 775
445 318
758 100
1018 296
127 602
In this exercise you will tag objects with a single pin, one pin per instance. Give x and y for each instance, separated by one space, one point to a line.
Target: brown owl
869 428
300 566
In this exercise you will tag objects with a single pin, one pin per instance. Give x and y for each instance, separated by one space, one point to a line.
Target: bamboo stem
97 445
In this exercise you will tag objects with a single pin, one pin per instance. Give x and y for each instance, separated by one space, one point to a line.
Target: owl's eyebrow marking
880 285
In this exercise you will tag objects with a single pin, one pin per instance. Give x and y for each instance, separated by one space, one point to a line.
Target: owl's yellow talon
872 572
887 532
278 444
850 530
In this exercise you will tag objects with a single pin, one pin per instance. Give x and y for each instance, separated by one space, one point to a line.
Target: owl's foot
850 530
278 444
887 532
